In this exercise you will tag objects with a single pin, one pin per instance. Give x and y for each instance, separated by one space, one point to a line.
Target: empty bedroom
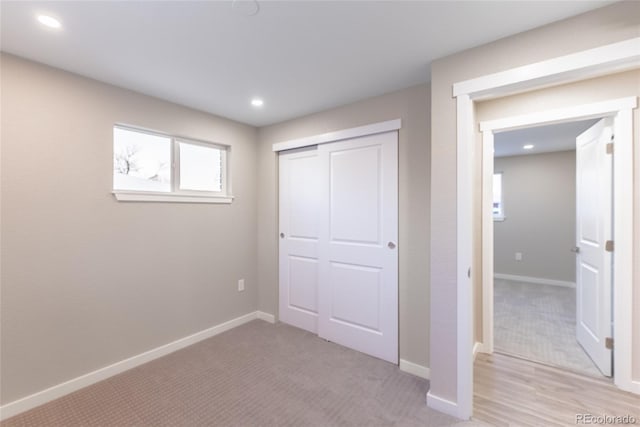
267 213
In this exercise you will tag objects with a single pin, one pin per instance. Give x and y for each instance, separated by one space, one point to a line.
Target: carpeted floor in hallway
538 322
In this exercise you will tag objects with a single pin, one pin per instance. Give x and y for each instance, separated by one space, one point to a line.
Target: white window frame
176 195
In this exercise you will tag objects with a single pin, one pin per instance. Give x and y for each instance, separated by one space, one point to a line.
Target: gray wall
88 281
539 193
412 106
620 21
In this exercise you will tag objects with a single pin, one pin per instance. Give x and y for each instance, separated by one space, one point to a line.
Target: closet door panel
298 249
358 287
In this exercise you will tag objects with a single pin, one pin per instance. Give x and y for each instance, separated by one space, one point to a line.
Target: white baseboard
17 406
476 349
415 369
480 347
630 386
266 316
537 280
443 405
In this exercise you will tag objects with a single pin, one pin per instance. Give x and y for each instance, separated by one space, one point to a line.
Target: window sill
135 196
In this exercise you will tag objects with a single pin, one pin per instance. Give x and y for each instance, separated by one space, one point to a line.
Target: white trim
536 280
560 115
17 406
623 174
137 196
443 405
480 347
633 387
576 66
415 369
487 240
266 316
464 406
381 127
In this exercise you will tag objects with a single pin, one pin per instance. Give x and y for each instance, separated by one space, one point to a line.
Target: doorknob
576 249
282 235
391 245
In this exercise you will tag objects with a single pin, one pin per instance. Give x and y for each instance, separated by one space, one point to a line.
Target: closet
338 230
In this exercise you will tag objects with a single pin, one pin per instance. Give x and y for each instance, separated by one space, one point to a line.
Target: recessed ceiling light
49 21
528 146
257 102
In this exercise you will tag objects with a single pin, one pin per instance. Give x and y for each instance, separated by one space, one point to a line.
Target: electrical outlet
240 285
518 256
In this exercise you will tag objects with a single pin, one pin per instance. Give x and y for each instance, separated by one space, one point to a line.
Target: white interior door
358 293
299 228
594 229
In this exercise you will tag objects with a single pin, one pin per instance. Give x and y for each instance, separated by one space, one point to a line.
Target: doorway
539 300
576 67
618 111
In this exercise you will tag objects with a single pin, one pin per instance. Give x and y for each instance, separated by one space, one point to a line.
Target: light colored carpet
258 374
538 322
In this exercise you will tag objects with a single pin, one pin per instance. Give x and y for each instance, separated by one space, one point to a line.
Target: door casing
598 61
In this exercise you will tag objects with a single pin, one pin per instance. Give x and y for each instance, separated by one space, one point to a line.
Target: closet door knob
282 235
391 245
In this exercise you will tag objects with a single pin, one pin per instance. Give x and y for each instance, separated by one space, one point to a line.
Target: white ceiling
300 56
545 139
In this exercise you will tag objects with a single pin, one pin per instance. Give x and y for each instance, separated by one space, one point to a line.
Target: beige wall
88 281
620 21
539 195
412 106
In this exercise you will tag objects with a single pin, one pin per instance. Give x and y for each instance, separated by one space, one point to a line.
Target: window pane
200 168
141 161
497 195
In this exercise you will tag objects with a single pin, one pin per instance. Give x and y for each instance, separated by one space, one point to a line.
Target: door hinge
608 246
608 343
610 148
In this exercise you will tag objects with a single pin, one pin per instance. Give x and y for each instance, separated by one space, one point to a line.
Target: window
150 166
200 167
498 197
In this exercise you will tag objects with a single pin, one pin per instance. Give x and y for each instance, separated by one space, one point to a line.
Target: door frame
621 111
339 135
594 62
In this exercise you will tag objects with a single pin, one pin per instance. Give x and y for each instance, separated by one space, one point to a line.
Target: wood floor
514 392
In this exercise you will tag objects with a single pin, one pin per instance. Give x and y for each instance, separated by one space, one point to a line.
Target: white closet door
299 228
358 292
